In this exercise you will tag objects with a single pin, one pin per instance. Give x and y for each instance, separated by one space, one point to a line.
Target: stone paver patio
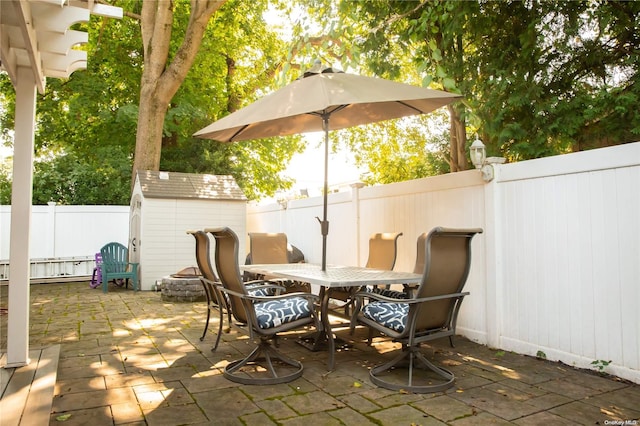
130 358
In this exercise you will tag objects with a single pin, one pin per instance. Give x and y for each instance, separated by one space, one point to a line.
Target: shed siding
166 247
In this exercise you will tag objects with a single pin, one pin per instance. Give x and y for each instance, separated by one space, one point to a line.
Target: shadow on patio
129 357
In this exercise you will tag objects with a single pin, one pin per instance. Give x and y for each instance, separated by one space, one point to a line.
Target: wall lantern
478 155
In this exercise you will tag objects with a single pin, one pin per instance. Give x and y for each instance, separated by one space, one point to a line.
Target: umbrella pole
324 224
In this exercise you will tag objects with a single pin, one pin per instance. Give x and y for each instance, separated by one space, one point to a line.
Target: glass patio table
334 276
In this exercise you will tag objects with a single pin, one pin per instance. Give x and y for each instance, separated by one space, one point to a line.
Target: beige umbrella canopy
324 99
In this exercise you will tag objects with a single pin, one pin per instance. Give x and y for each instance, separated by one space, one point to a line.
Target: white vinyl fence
556 271
64 239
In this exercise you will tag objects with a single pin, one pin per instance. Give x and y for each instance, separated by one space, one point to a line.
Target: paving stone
350 417
531 390
498 404
127 413
549 400
341 385
99 398
583 413
212 380
517 393
173 373
259 393
140 361
480 419
317 419
225 404
444 408
128 380
468 380
543 419
79 385
175 415
405 415
398 398
628 397
359 403
98 416
276 409
313 402
567 388
257 419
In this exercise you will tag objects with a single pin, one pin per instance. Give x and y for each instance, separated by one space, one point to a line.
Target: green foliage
91 118
538 78
400 150
70 179
5 184
600 365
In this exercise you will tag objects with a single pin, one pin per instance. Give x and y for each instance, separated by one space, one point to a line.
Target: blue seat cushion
389 314
274 313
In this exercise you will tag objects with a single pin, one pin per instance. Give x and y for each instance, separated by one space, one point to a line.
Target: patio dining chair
383 251
215 300
273 248
263 318
430 314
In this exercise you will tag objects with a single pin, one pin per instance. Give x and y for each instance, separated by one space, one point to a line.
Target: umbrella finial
318 68
315 69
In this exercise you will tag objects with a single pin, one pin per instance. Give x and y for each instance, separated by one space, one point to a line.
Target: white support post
493 259
22 189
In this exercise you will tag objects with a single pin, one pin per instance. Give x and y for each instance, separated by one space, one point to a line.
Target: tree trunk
458 141
160 79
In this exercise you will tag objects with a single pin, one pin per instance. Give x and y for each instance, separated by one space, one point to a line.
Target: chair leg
95 282
206 324
414 358
263 355
215 346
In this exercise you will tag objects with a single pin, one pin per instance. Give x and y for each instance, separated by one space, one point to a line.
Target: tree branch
395 18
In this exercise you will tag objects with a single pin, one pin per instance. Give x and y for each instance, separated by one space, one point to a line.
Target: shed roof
156 184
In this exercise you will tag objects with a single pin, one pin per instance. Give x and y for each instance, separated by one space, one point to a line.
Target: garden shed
164 205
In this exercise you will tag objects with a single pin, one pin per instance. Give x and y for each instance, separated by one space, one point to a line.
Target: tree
161 77
98 108
241 55
539 78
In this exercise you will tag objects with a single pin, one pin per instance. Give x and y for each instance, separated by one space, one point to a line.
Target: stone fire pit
183 286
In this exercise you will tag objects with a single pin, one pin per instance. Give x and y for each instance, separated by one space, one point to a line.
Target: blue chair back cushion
274 313
389 293
260 292
388 314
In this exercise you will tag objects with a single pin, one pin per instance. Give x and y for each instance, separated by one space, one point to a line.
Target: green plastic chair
116 265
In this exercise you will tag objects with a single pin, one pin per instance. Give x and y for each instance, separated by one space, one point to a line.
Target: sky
307 168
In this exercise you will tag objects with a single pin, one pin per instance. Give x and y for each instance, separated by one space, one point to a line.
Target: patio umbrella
324 99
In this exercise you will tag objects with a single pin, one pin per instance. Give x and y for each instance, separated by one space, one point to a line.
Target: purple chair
96 277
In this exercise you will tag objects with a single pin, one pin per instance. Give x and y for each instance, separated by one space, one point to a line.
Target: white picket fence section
556 271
